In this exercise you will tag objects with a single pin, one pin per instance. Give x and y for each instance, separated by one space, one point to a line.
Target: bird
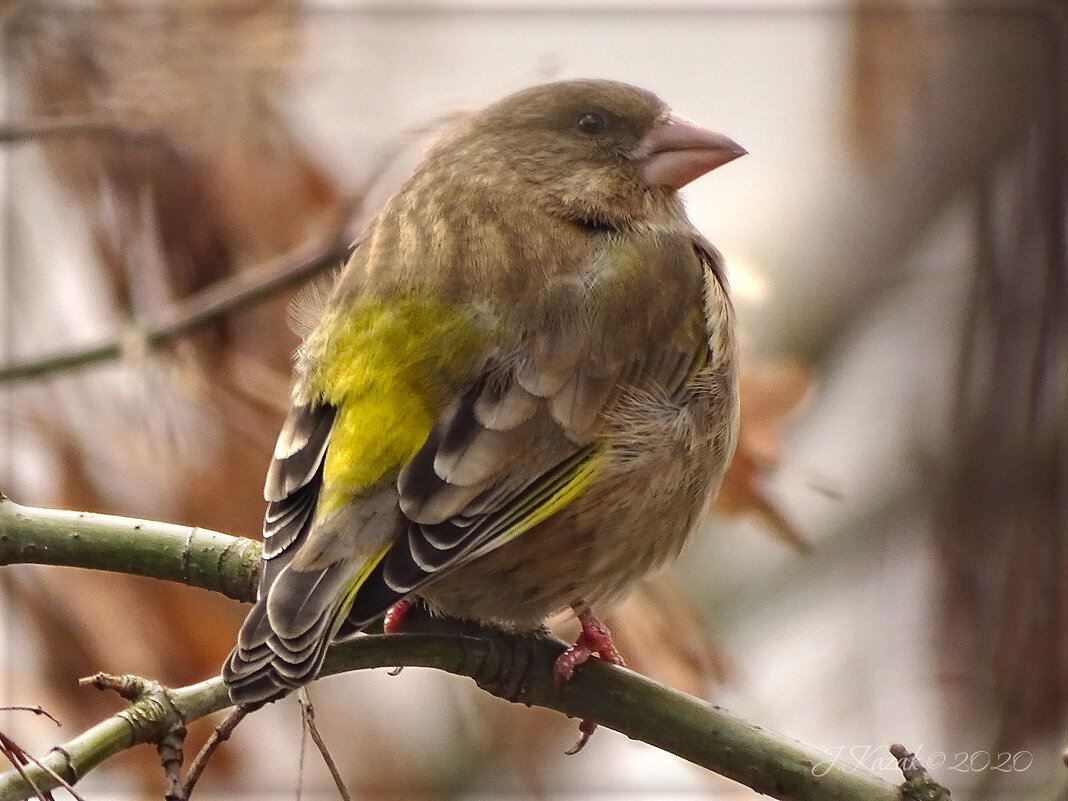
519 395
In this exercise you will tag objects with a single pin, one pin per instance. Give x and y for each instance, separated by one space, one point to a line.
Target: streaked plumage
522 391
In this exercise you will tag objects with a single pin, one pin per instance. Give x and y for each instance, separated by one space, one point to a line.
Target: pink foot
393 622
595 638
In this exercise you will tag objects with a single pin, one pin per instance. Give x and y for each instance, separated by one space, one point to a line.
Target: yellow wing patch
390 366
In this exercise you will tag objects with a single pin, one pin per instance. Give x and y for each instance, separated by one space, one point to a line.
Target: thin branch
219 736
149 719
17 756
517 668
239 291
308 715
75 125
171 755
20 757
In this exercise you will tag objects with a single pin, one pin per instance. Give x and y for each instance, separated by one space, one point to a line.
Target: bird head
596 152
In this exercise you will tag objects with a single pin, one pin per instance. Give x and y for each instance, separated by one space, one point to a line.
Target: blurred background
888 560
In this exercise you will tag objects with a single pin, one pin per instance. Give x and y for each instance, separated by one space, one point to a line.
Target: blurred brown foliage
1001 518
195 177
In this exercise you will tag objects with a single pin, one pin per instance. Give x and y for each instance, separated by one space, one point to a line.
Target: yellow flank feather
569 481
390 365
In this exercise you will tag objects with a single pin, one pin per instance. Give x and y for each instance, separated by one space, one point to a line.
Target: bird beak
676 150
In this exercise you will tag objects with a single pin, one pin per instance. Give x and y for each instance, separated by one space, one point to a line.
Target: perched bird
521 392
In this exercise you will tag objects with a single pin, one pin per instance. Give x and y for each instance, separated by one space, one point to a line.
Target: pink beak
676 150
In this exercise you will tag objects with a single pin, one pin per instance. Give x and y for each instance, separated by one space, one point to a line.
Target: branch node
145 716
68 763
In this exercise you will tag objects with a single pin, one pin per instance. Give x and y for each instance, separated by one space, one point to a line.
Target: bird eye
592 123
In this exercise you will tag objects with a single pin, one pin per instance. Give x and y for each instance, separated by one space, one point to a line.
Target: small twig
129 686
918 786
37 710
308 714
171 756
18 757
228 295
908 762
73 125
303 755
200 761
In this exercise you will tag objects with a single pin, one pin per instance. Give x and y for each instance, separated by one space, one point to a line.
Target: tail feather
256 676
285 637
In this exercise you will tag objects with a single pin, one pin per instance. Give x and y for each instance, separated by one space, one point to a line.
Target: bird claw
595 638
586 730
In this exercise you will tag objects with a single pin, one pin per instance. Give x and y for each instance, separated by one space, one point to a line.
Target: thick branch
514 667
188 555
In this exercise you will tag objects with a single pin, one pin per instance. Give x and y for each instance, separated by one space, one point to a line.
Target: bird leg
595 638
393 622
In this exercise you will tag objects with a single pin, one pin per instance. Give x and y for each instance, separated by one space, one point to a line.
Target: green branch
514 667
188 555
